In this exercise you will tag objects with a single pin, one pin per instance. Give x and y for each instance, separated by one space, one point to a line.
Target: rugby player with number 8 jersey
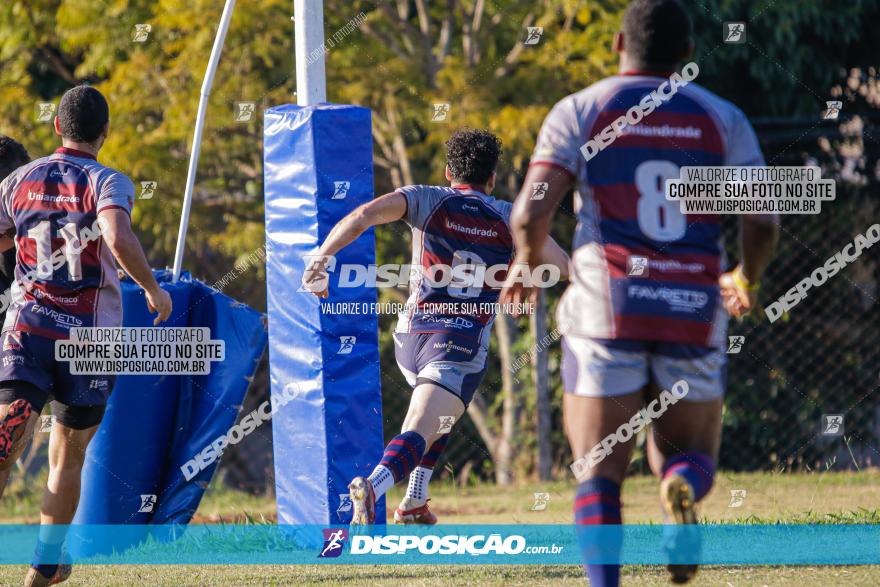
649 294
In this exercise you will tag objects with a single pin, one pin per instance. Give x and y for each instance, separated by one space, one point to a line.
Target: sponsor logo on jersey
12 341
148 502
471 230
682 300
452 322
63 300
51 198
99 384
13 360
60 318
450 346
678 132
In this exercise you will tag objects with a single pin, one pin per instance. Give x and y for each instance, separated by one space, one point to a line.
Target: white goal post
311 85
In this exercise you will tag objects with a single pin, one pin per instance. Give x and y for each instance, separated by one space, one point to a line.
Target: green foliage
399 64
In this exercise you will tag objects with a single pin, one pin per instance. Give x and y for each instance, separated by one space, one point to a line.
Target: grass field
787 498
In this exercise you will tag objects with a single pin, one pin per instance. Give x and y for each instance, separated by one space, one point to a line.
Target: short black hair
656 32
472 155
12 156
82 115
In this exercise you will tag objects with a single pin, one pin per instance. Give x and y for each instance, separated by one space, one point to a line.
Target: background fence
821 358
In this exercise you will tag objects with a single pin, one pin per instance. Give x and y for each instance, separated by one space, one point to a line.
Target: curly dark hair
472 155
656 32
82 114
12 156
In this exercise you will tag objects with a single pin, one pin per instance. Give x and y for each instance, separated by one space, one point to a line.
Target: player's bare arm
117 233
382 210
757 242
530 222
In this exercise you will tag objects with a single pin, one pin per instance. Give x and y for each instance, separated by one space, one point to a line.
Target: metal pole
197 135
311 80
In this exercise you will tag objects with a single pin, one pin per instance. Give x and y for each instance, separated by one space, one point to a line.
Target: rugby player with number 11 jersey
68 218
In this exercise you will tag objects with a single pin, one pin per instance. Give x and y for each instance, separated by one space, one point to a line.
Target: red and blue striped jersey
641 269
452 227
65 275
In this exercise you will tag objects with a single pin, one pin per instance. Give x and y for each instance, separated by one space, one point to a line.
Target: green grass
414 576
827 497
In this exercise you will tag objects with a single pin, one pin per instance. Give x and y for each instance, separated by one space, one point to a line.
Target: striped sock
401 456
597 501
433 454
417 490
696 467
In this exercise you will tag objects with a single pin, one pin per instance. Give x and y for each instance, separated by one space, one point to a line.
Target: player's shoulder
99 173
588 97
31 166
108 176
23 172
728 112
425 197
427 190
502 207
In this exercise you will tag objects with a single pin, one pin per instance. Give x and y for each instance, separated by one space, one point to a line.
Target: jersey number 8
660 219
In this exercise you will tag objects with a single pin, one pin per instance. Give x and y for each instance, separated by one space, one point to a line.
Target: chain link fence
787 385
789 382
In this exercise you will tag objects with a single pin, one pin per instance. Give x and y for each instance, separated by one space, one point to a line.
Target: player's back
645 270
65 273
454 227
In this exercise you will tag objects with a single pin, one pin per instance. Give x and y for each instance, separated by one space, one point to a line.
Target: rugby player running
68 217
628 335
442 355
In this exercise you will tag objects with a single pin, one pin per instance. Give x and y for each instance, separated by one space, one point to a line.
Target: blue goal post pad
209 405
128 455
324 366
154 424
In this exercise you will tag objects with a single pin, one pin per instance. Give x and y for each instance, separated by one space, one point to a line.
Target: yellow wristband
741 282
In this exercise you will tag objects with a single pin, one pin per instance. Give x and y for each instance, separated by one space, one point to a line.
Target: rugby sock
696 467
597 501
417 490
433 454
401 456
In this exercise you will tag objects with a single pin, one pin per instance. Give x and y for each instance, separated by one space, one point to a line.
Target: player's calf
12 430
